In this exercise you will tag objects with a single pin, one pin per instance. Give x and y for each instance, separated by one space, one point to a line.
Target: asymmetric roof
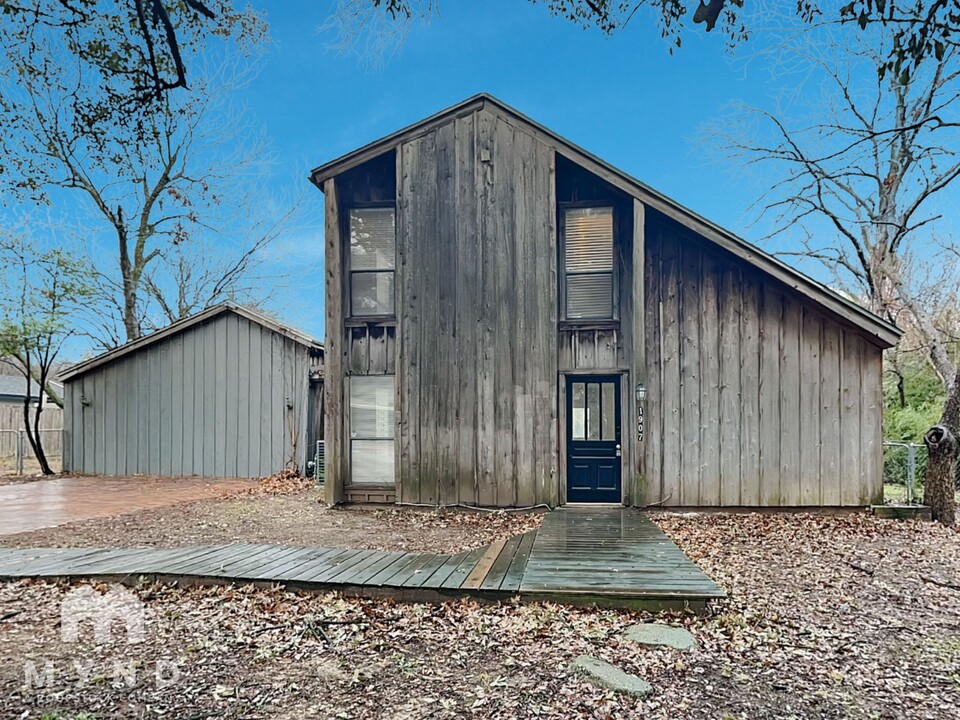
881 332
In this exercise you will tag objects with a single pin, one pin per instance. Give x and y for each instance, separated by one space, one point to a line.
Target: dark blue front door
593 439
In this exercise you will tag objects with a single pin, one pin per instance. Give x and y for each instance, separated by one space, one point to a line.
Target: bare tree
40 291
165 189
862 178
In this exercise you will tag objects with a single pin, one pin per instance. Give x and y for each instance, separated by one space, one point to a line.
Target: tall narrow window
588 262
372 261
371 430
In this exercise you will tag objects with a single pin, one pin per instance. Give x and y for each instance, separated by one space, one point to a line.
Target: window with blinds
372 430
588 262
373 255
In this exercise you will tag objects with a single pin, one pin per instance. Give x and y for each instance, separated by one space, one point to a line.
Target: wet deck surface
48 503
613 557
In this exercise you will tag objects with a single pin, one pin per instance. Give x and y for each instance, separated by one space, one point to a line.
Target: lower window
372 430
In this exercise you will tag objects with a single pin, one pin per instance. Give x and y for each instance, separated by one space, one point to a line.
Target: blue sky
624 98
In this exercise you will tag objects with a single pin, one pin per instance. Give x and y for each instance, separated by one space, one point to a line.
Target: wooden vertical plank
279 408
177 408
871 421
256 399
445 404
231 391
690 353
636 330
488 258
653 407
769 390
670 416
551 479
750 350
333 426
220 393
500 216
710 380
157 409
810 343
245 439
164 439
525 326
424 217
206 337
732 357
851 407
468 301
408 327
790 470
190 404
109 421
830 409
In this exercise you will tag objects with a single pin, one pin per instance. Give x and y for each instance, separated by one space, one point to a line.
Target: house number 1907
640 423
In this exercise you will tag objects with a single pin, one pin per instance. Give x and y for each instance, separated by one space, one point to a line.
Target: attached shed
511 320
223 393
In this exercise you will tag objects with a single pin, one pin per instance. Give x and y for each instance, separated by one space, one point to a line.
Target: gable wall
477 314
755 397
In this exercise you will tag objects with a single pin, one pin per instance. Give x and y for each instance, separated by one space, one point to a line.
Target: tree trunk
941 478
33 434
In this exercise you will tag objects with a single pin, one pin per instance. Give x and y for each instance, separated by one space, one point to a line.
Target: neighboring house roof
879 330
180 325
11 387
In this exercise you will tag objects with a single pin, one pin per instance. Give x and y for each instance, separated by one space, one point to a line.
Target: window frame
348 262
350 438
562 208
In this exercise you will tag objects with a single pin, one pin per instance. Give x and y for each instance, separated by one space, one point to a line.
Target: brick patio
48 503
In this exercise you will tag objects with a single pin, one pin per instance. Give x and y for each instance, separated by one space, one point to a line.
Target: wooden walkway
583 556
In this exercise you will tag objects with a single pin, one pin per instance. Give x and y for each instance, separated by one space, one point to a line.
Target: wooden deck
583 556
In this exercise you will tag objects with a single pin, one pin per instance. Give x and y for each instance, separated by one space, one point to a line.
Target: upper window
373 261
588 262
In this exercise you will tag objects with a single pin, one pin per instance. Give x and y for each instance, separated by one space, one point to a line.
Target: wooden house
511 321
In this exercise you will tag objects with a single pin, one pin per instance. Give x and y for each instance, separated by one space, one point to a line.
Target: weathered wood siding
756 397
210 401
477 315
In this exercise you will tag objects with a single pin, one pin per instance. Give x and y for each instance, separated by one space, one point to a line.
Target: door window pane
609 410
579 411
593 411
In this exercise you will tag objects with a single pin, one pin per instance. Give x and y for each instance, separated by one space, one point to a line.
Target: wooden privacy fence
15 451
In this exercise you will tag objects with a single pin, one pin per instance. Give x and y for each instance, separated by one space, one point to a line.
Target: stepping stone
664 635
611 677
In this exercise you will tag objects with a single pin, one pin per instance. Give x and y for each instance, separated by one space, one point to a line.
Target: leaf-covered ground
830 617
285 513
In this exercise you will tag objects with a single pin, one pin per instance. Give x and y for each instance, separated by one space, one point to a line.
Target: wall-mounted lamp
84 400
289 404
640 392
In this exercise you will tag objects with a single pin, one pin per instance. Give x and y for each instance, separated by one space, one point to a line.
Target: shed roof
179 326
881 332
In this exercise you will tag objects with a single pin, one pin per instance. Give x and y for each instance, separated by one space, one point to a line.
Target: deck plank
578 555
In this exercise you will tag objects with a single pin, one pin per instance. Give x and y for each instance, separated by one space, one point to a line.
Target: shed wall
755 397
210 401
